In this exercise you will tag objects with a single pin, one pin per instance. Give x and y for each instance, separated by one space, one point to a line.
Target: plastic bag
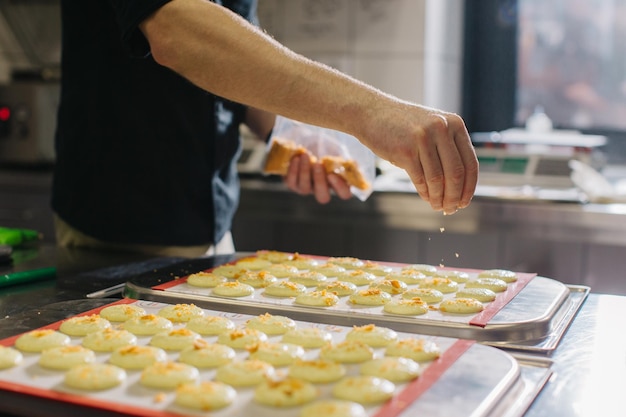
321 142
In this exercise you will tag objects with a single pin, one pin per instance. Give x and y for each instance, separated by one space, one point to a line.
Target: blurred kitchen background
541 85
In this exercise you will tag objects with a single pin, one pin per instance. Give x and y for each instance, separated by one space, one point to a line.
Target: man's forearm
222 53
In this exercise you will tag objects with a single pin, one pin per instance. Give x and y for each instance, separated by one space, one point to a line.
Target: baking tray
534 320
469 379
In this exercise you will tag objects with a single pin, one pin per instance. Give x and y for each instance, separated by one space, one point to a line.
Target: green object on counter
22 277
14 237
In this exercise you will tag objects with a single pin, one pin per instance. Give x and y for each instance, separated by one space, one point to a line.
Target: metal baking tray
469 379
533 321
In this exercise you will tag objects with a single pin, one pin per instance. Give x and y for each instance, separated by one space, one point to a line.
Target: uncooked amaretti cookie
503 274
376 268
245 373
370 297
121 312
347 351
271 324
177 339
494 284
66 357
423 268
205 279
320 298
282 270
168 375
207 355
309 278
456 276
329 269
233 289
205 396
82 325
445 285
461 306
430 295
420 350
286 392
181 313
372 335
408 276
253 264
391 286
241 337
333 408
317 371
357 277
9 357
276 354
302 262
109 339
284 289
274 256
340 288
228 271
94 376
347 262
394 369
38 340
137 357
407 307
210 325
483 295
257 279
147 325
364 389
307 337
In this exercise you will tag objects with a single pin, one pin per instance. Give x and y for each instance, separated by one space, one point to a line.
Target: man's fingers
304 177
453 173
291 179
470 162
340 186
320 184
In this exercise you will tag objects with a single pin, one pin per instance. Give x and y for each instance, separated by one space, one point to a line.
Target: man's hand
433 147
307 178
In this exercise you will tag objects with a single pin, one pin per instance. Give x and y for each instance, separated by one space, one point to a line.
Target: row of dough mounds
285 362
409 290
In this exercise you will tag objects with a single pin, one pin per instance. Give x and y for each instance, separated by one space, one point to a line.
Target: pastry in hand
279 156
282 150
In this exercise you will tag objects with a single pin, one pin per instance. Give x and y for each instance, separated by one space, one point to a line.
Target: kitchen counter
78 273
530 230
589 363
579 244
401 207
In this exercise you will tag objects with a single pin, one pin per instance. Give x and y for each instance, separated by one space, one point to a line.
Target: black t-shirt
143 156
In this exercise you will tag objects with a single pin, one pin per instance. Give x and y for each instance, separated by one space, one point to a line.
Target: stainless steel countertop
589 365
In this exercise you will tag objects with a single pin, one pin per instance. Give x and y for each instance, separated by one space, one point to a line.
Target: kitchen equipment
30 59
534 320
517 157
27 122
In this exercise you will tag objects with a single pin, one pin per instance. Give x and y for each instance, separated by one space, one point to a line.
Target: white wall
409 48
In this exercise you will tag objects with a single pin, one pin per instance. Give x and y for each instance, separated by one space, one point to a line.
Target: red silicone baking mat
481 319
132 399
